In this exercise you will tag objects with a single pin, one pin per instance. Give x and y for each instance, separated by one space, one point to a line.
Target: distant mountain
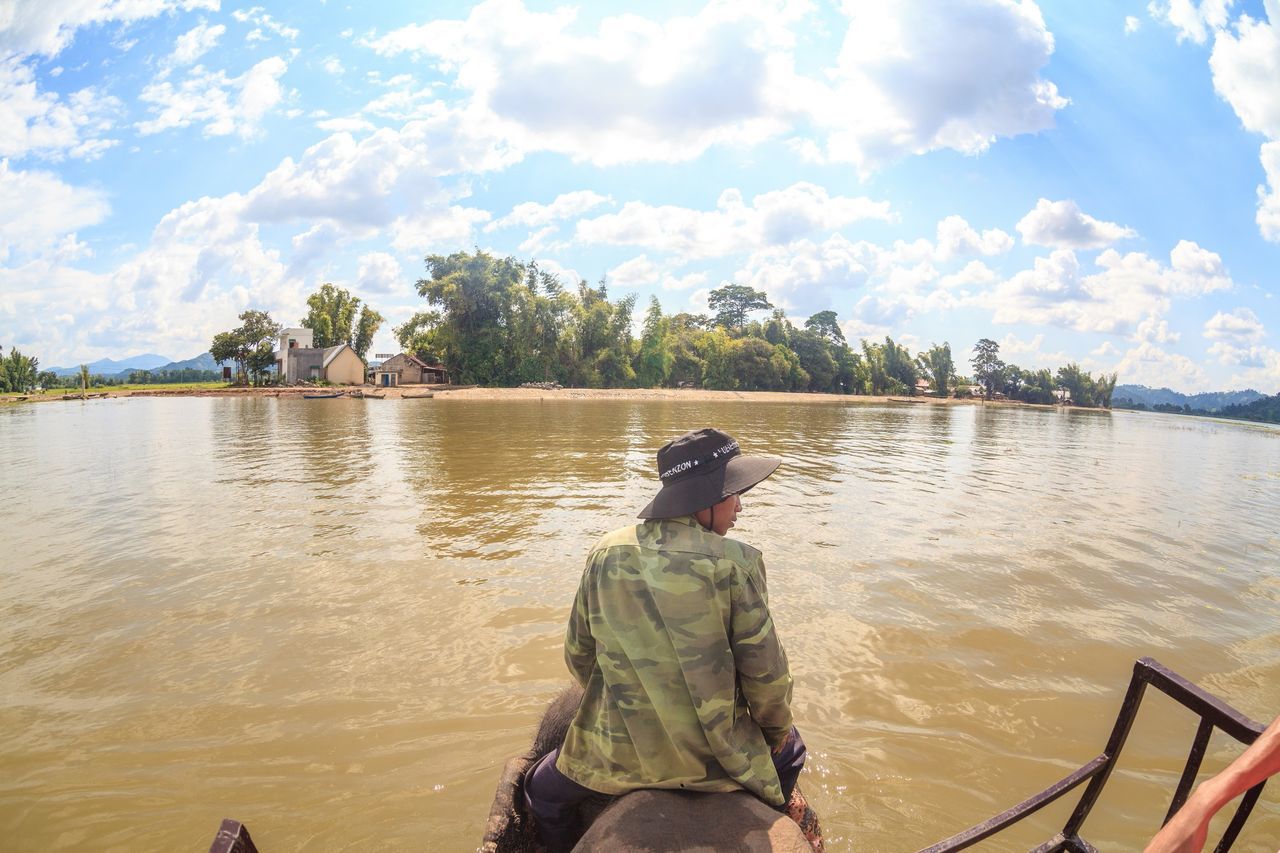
1210 402
109 366
204 361
1267 409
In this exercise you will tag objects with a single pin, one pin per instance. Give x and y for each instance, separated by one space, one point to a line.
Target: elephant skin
648 820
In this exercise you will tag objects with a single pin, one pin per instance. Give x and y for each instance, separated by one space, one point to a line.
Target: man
685 683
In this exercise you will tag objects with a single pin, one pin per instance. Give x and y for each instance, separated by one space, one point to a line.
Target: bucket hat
701 468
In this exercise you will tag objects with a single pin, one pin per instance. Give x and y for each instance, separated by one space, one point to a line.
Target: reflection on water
334 620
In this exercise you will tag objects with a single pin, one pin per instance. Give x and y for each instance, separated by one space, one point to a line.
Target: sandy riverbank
444 393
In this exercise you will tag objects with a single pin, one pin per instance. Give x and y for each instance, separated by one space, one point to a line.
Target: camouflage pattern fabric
685 683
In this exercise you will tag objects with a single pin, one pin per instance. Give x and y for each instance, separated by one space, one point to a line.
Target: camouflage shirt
686 684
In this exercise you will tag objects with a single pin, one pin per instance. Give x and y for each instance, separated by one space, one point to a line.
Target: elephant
647 820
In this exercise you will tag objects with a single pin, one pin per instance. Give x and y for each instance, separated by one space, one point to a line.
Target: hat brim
685 497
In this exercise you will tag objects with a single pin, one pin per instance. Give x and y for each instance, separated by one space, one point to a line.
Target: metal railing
1213 713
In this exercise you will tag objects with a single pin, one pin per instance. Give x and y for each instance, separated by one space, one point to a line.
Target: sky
1087 182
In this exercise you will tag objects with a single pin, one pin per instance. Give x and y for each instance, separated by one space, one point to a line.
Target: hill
110 367
1267 410
1211 401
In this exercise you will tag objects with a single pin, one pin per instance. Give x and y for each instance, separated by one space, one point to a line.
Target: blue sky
1089 182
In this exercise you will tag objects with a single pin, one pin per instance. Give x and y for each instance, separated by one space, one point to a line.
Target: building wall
299 361
346 368
400 364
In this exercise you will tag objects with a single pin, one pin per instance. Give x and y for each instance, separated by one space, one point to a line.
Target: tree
249 345
47 379
987 366
18 372
654 362
366 327
815 359
938 366
84 379
332 316
827 326
732 303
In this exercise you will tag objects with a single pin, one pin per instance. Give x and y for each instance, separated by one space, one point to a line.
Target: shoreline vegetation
473 393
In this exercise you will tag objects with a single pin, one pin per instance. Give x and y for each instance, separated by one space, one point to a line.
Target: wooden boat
426 396
322 396
366 395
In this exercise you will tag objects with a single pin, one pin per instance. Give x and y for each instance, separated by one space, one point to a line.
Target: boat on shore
322 396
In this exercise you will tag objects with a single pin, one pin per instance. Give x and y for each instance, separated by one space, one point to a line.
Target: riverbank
454 393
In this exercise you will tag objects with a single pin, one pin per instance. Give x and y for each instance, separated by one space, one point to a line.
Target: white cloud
260 19
1156 331
1031 354
1148 364
362 184
47 125
379 272
39 213
1238 327
918 76
1192 21
1194 271
333 65
974 274
912 77
565 206
449 229
807 276
223 105
195 43
349 124
634 90
1063 225
1131 24
773 218
1269 194
1246 66
1128 289
640 271
958 238
47 26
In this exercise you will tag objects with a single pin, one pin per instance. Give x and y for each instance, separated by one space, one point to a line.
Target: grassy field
121 389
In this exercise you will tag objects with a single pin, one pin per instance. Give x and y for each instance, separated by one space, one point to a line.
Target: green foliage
826 325
336 317
18 372
249 346
186 375
987 366
499 321
936 364
732 303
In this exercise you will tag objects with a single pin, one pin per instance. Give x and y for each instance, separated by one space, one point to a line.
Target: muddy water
334 620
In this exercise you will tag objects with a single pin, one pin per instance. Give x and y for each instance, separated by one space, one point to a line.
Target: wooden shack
407 369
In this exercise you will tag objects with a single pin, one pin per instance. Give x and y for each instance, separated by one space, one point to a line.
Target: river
334 620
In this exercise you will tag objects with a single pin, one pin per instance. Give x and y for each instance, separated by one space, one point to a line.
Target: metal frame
1213 713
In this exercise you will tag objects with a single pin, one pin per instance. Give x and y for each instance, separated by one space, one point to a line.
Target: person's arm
762 666
579 644
1187 830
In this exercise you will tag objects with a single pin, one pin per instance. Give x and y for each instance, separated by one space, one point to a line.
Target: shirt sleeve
579 645
763 671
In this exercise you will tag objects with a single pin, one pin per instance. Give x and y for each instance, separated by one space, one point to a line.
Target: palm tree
84 380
